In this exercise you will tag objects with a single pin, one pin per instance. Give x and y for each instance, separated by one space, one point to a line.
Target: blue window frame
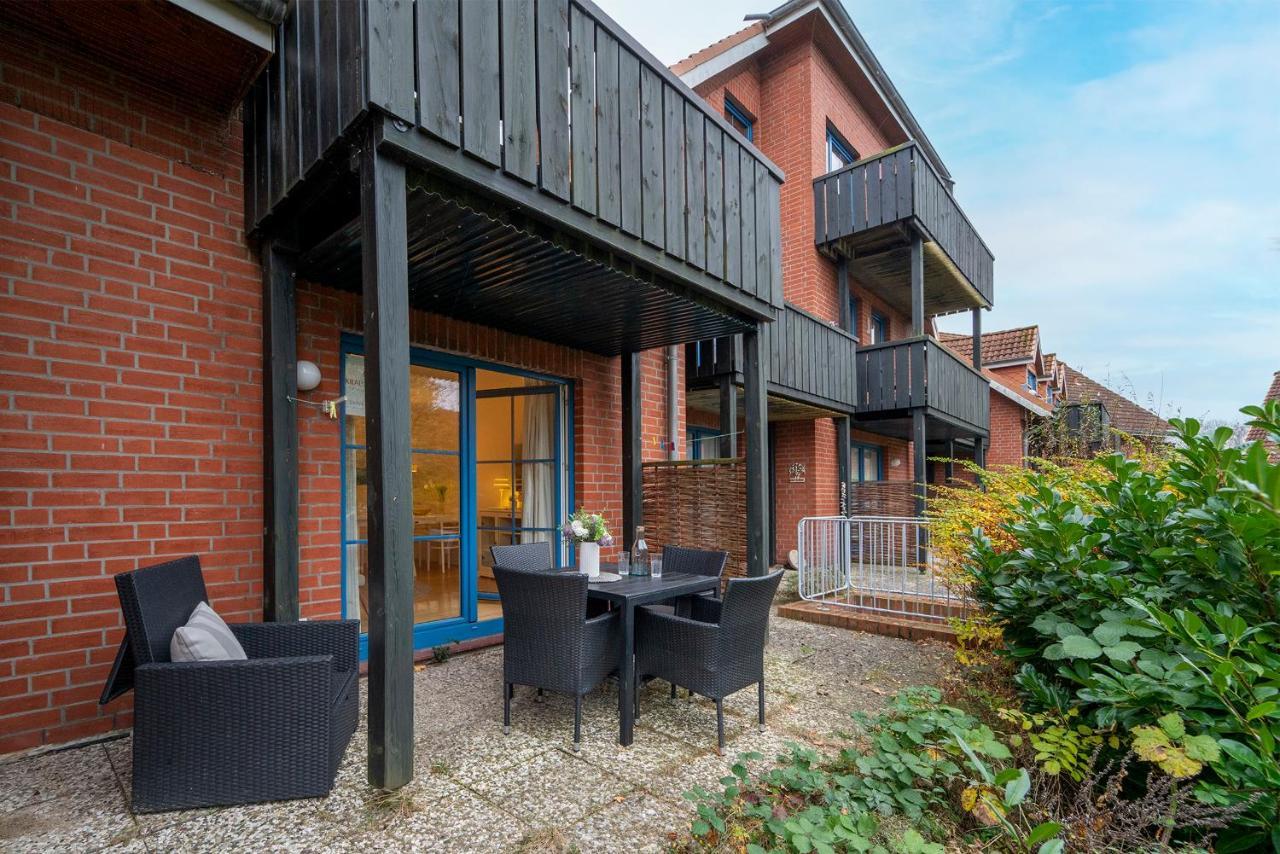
879 328
739 118
696 438
839 152
1031 380
468 623
854 328
1048 394
868 462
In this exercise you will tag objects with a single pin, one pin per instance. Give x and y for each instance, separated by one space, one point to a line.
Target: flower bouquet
590 531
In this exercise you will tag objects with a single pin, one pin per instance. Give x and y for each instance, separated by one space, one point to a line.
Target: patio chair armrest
338 638
705 609
603 630
651 623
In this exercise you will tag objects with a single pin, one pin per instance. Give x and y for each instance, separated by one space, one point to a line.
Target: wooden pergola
549 177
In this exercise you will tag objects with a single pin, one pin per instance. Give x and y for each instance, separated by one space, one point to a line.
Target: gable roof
1018 394
1257 434
756 36
1004 345
1126 416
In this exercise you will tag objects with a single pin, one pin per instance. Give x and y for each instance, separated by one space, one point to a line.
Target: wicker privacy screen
698 504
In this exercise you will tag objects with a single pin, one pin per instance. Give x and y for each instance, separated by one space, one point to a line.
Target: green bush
1155 590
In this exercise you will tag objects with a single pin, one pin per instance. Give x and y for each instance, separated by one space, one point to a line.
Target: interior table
627 594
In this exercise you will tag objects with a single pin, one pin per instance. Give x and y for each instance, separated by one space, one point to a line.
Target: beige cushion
205 637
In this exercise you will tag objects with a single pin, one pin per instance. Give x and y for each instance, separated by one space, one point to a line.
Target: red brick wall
130 381
1008 422
130 415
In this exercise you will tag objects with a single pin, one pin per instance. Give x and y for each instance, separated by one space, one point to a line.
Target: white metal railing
874 563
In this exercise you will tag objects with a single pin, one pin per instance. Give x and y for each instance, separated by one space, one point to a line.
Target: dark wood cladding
809 360
921 373
895 187
551 94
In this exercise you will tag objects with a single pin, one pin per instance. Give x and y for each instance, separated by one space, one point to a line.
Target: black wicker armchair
715 651
533 557
549 643
212 733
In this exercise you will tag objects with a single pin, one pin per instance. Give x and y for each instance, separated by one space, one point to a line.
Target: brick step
926 606
863 620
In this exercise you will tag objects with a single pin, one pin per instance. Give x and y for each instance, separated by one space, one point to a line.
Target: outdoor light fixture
308 375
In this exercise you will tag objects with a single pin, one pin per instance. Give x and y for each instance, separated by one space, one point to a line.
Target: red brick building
805 86
1023 388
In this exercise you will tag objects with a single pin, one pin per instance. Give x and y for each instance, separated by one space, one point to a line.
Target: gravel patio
477 790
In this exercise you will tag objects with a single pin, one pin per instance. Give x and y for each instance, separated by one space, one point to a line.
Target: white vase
589 559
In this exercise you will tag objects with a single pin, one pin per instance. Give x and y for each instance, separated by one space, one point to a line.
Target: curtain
539 478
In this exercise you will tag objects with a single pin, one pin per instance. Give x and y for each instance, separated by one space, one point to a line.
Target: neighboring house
490 300
1257 434
1095 404
1022 387
865 189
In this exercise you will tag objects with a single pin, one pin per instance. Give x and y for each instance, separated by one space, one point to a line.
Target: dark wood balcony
868 212
810 367
898 377
537 117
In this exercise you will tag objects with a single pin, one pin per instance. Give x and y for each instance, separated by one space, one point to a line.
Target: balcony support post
280 432
728 418
919 456
843 462
917 284
847 320
755 384
977 339
948 469
383 226
632 474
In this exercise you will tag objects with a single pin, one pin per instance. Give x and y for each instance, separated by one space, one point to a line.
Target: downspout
673 417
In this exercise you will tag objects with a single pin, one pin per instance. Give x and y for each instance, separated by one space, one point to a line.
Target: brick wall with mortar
1008 432
130 381
130 389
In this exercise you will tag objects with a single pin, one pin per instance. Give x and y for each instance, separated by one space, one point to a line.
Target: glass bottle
640 554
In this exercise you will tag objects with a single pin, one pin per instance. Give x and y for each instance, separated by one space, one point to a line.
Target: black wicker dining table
627 594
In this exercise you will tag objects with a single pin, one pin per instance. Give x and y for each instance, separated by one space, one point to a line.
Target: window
1031 380
739 118
1048 394
703 442
839 152
879 328
853 319
868 462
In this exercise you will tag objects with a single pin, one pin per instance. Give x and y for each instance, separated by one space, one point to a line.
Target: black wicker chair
213 733
533 557
548 641
717 650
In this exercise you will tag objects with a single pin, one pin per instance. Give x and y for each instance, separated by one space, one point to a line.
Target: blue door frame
467 625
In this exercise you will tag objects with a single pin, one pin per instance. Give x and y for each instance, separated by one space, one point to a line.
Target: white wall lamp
308 375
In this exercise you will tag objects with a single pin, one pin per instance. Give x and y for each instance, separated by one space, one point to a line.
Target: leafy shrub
1136 590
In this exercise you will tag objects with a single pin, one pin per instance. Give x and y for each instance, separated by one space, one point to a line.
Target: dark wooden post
847 320
728 418
920 456
280 433
755 382
386 326
632 455
948 471
843 462
977 339
917 284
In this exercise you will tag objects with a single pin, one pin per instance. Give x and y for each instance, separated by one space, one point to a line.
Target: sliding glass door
489 467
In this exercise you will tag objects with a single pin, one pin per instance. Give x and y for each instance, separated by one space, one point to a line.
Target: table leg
627 677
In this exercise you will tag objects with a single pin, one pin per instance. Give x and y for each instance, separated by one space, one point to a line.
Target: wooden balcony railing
810 360
544 104
897 186
919 372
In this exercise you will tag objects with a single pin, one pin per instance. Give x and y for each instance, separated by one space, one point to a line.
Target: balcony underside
781 408
939 426
497 270
881 261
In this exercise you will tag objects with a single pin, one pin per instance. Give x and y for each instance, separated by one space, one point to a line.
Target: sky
1120 157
